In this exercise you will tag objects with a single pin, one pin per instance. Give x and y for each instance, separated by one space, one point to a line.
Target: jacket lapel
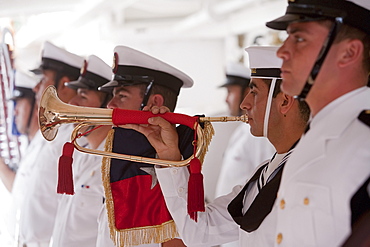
261 206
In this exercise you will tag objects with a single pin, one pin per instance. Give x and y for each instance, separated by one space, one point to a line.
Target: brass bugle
53 113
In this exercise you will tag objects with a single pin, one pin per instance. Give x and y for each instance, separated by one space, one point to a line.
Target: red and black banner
136 207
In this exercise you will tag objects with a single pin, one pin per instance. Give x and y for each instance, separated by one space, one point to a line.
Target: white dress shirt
40 199
76 223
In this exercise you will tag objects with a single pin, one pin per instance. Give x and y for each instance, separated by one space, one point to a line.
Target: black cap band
266 72
22 92
236 80
89 81
48 63
159 77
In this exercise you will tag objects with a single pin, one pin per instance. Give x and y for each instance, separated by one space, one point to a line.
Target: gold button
282 204
306 201
279 238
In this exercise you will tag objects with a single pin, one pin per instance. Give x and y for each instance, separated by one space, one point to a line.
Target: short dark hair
59 75
349 32
304 109
169 96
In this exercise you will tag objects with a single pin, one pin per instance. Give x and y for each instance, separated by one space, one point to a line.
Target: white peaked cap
237 74
362 3
98 67
264 62
24 85
56 58
25 80
355 13
56 53
237 69
129 62
94 73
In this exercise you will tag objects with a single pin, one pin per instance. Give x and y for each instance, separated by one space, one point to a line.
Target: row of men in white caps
313 206
73 220
68 231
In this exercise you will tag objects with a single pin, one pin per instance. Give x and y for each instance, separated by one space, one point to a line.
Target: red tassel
195 189
65 176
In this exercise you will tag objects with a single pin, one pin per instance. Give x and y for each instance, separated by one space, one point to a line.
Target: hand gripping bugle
53 113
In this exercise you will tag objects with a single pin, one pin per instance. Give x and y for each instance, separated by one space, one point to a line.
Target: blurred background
197 36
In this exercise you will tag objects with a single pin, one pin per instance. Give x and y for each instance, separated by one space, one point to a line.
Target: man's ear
61 82
65 93
350 52
156 100
286 103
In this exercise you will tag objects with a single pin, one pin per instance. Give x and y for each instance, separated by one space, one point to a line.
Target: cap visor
37 71
75 85
108 87
283 22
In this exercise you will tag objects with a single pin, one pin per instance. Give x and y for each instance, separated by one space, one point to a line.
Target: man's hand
161 134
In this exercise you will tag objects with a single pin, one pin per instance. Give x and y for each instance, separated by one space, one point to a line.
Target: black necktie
264 201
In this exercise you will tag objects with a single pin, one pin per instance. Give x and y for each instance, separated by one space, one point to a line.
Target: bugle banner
136 207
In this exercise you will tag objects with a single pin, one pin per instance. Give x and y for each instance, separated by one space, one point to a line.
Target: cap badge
115 62
83 69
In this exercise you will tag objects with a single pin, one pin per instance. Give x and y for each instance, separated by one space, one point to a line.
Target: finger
146 108
129 126
163 123
155 109
163 109
142 128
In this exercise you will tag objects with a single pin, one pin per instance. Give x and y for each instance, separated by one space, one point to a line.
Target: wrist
174 155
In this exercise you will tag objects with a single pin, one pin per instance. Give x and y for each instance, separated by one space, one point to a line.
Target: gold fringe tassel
145 235
133 236
208 133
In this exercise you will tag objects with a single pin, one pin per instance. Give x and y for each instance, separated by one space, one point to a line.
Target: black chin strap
146 95
320 59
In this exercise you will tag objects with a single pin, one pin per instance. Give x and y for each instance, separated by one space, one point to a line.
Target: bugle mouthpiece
242 118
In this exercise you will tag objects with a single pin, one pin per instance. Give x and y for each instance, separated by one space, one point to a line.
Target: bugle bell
53 113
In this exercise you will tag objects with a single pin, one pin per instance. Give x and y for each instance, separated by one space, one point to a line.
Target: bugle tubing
53 113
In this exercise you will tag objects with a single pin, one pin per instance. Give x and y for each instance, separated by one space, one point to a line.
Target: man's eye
299 39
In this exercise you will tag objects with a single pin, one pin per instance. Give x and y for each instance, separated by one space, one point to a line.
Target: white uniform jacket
214 226
329 164
76 223
40 201
243 154
22 181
